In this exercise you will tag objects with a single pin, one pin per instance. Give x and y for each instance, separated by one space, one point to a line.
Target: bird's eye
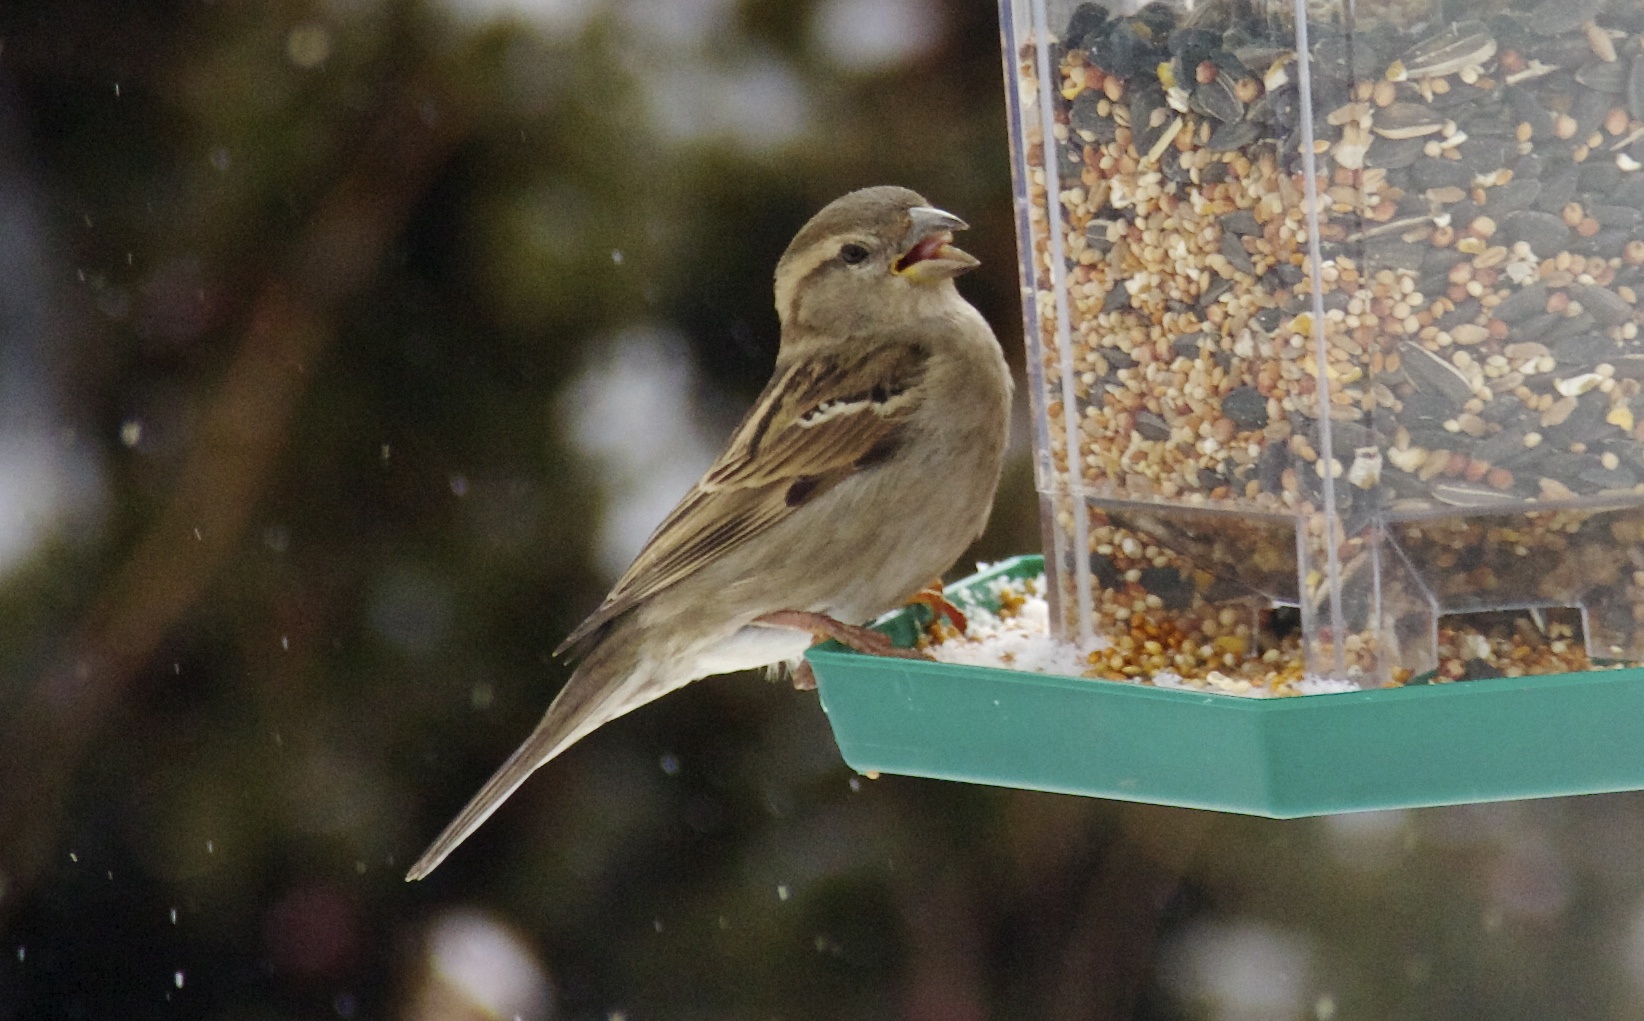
853 254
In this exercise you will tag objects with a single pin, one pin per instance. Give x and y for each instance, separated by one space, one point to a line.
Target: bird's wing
818 422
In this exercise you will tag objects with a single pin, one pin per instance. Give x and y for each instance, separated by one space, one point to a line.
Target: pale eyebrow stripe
807 263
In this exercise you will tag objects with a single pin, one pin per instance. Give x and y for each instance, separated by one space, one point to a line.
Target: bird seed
1382 377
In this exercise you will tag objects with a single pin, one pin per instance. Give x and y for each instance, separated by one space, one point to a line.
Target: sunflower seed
1194 44
1510 197
1086 18
1464 312
1256 57
1585 422
1570 326
1407 120
1606 307
1214 292
1152 427
1393 254
1586 349
1216 99
1463 44
1091 126
1188 345
1127 50
1425 405
1429 172
1233 136
1522 304
1543 232
1234 252
1603 76
1470 494
1629 366
1557 189
1503 448
1431 372
1393 154
1589 111
1336 56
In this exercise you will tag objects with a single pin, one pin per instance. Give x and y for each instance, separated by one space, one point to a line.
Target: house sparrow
866 467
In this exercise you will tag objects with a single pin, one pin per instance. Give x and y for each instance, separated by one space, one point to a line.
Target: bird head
881 249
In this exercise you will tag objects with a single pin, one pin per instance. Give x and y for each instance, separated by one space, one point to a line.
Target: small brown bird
865 469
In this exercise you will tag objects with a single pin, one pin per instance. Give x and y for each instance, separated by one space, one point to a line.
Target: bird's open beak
928 253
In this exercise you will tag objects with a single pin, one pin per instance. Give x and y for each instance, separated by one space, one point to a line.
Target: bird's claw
823 627
931 596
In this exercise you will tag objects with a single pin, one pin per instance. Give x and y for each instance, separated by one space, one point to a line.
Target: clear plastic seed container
1333 325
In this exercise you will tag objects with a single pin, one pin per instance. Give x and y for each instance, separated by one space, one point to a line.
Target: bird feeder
1332 315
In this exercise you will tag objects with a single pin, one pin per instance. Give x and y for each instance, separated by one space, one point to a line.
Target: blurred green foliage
217 824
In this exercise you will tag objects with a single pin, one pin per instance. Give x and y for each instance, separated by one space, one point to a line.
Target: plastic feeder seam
1445 744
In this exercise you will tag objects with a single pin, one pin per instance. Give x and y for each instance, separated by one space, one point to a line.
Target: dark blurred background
348 350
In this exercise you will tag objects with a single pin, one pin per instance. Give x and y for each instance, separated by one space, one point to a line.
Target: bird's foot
931 596
804 678
823 627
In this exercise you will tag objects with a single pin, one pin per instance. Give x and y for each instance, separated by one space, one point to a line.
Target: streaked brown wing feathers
808 431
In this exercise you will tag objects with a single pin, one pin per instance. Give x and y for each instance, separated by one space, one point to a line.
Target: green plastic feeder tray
1283 758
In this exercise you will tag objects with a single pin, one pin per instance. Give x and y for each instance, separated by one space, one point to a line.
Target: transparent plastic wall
1333 320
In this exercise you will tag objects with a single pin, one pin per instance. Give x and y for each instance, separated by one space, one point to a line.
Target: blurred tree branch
289 327
1110 955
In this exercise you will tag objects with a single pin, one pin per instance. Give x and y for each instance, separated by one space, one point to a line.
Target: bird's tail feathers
537 749
595 695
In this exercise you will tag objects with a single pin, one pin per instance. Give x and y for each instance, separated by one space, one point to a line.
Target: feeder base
1487 740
